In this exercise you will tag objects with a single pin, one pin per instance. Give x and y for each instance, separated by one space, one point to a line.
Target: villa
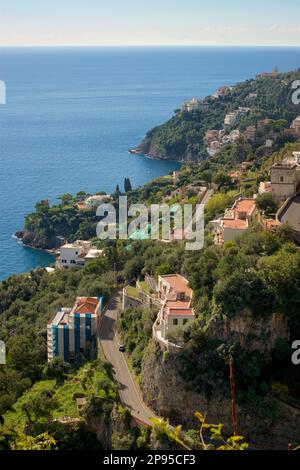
76 254
194 105
234 221
230 118
93 202
71 330
295 126
175 296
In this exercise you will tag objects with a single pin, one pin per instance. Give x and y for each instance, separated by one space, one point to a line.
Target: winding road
129 391
130 394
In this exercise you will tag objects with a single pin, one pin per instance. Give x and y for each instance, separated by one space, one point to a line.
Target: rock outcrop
169 396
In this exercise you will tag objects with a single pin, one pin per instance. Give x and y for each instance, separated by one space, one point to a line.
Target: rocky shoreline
151 156
31 240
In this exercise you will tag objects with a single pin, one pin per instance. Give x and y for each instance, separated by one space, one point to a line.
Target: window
72 261
281 179
185 321
63 260
180 296
175 321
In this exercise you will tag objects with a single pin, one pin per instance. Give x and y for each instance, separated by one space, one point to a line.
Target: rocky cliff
169 396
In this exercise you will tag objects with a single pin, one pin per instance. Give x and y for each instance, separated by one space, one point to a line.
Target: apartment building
71 330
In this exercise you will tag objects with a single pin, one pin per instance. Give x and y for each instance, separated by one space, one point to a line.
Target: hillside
181 138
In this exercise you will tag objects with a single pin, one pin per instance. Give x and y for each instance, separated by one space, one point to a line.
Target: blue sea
73 113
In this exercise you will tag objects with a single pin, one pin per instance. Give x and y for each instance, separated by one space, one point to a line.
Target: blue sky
144 22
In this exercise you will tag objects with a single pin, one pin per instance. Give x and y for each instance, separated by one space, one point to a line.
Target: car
122 348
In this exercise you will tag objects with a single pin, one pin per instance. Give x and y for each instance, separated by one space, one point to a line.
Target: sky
149 22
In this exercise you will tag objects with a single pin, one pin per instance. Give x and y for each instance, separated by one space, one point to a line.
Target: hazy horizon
195 23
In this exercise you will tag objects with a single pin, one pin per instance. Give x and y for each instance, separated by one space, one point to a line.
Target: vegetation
27 302
181 138
257 273
193 440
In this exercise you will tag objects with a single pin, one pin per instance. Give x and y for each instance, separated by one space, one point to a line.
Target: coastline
152 157
49 251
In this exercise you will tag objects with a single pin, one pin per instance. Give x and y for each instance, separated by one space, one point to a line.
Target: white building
93 202
265 187
76 254
230 118
296 124
194 105
234 136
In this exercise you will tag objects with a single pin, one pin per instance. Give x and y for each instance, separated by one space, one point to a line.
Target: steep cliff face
252 333
169 396
34 240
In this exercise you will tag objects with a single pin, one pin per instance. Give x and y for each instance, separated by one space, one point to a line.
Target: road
291 213
209 193
207 196
130 394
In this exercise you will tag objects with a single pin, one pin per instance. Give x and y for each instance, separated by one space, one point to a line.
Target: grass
16 419
132 292
145 287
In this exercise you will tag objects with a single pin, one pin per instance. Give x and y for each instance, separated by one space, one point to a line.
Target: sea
71 114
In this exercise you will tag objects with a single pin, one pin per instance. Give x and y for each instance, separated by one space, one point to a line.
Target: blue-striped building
71 330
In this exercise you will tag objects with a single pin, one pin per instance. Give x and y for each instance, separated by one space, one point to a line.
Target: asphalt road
291 214
130 394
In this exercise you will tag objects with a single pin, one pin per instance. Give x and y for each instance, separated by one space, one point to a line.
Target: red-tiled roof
175 306
86 305
235 223
245 205
178 284
180 311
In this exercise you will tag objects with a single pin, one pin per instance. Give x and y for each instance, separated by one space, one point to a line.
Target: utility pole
233 403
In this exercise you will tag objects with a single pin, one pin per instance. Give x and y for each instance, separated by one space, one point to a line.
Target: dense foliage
181 138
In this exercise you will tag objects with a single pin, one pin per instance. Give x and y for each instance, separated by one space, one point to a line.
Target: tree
66 199
127 185
57 369
117 191
39 409
222 179
266 203
41 442
122 441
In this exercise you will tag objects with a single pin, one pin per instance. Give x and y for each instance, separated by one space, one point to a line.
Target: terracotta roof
235 223
245 205
174 306
270 223
86 305
178 284
181 311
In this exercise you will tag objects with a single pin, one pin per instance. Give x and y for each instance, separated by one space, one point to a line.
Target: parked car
122 348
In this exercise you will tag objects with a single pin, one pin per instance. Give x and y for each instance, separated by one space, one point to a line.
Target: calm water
72 114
